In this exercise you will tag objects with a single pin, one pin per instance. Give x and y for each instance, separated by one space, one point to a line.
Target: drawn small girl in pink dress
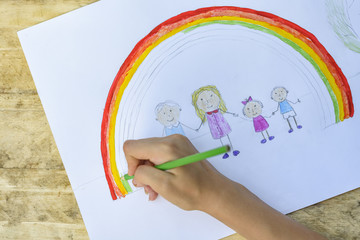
209 106
253 109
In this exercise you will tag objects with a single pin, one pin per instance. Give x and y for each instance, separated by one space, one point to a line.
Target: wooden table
36 200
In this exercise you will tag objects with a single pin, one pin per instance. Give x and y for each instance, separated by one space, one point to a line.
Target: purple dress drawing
260 124
210 107
253 109
219 127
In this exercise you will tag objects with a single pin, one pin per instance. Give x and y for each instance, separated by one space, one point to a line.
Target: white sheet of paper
75 57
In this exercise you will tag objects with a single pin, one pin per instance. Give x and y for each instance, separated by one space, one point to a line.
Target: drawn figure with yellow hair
209 106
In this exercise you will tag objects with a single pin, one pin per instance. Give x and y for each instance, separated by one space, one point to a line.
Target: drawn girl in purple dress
209 106
253 109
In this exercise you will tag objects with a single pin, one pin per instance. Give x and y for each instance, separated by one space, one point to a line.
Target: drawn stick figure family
210 107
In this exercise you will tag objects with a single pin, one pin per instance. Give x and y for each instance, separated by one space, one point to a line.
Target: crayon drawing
253 110
210 107
168 114
321 79
343 16
279 95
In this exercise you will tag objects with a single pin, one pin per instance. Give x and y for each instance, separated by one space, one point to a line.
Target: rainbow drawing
289 33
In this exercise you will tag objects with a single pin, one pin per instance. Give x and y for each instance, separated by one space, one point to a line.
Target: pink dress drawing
260 124
219 127
253 109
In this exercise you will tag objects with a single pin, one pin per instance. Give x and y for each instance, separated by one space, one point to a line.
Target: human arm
210 191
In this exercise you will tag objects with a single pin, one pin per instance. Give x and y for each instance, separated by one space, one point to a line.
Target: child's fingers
148 190
143 148
151 176
135 151
138 185
133 163
157 150
152 194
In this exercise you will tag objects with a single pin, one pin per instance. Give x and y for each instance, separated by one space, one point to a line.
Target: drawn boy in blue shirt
279 94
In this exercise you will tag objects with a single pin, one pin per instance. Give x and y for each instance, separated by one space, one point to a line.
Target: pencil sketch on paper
253 110
125 106
168 114
342 23
210 107
279 95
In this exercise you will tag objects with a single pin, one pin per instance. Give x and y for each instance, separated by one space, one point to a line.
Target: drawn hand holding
197 129
199 186
233 114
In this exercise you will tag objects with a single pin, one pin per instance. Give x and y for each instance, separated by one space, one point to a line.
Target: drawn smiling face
168 115
253 109
279 94
208 101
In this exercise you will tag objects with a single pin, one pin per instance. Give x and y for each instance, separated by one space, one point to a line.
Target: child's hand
188 187
199 186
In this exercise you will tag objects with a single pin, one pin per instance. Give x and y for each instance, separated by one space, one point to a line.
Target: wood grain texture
36 199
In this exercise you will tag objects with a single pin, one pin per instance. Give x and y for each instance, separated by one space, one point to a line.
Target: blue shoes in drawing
264 140
298 127
235 153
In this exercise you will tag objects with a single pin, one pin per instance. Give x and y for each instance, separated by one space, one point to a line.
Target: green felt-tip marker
189 159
